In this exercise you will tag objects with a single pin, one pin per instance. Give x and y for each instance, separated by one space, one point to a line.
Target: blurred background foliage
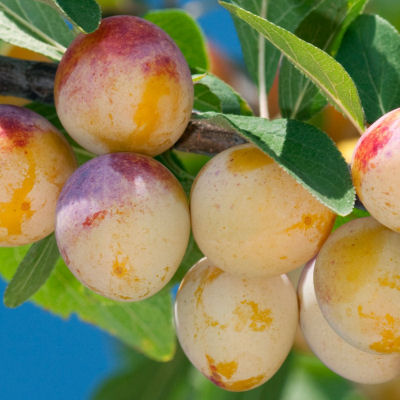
302 377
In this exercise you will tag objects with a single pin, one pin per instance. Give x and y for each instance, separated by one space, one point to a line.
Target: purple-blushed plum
237 331
375 166
35 162
124 87
122 225
357 284
338 355
251 217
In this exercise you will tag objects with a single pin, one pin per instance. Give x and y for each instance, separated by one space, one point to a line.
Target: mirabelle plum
35 162
374 168
346 147
357 284
237 331
124 87
123 225
251 217
331 349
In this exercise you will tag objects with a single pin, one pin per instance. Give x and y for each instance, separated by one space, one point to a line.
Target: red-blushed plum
375 167
124 87
251 217
237 331
332 349
122 225
357 284
35 162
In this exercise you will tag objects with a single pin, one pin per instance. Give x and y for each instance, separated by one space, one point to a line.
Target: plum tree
357 285
251 217
237 331
35 162
122 225
124 87
374 161
338 355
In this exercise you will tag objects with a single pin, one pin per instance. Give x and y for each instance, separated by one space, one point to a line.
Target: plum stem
262 88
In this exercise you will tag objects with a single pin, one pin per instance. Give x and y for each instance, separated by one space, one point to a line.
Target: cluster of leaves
324 51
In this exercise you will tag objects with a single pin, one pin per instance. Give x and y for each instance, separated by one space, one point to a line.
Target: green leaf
260 56
213 94
186 33
35 26
145 325
330 77
356 213
298 97
205 99
85 14
302 150
370 52
32 272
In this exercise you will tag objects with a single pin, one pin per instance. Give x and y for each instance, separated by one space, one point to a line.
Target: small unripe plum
251 217
35 162
124 87
237 331
357 284
374 169
122 225
338 355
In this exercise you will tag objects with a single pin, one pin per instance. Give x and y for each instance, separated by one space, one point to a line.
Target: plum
338 355
374 169
35 162
251 217
237 331
357 284
122 225
124 87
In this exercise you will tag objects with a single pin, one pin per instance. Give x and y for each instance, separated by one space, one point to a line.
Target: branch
34 80
30 80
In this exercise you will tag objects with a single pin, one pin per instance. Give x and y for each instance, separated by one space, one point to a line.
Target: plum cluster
122 220
236 314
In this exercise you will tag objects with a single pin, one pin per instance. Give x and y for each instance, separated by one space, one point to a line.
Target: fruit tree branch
30 80
34 80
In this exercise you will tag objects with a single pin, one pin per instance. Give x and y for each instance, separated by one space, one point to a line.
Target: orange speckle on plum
244 384
119 266
226 369
389 328
211 275
392 282
95 218
17 210
248 159
249 314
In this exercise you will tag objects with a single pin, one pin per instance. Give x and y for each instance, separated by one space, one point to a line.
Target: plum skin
124 87
374 165
251 217
35 162
237 331
356 281
338 355
122 225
